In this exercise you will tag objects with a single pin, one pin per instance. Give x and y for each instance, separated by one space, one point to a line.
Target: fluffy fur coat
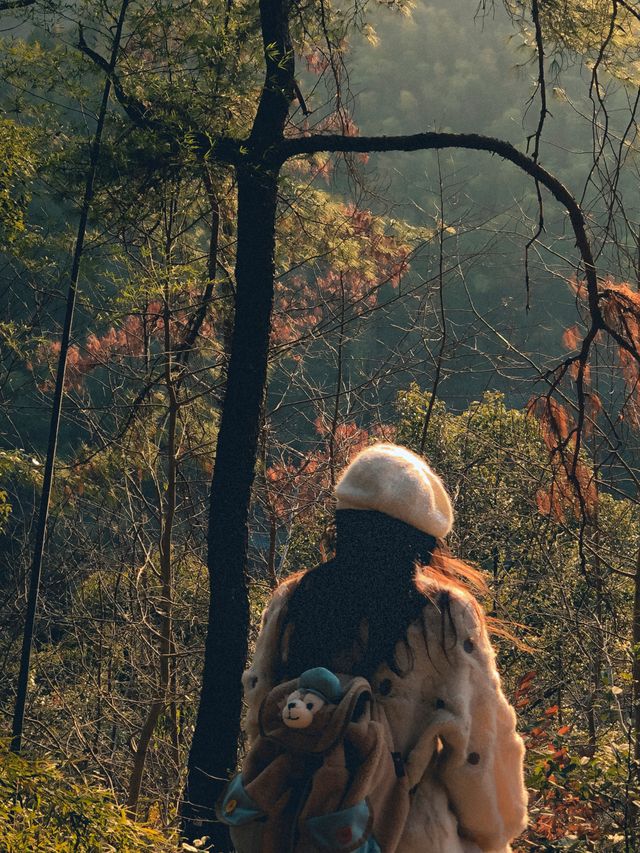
470 796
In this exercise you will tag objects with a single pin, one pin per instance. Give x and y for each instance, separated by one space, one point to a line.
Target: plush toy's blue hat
322 682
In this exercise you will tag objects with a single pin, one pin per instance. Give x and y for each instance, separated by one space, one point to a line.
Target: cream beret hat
391 479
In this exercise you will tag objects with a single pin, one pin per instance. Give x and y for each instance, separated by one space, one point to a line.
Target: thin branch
443 319
5 5
542 88
301 100
474 142
186 346
222 149
629 8
541 82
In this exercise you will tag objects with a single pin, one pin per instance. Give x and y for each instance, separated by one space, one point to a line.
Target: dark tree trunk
213 751
215 740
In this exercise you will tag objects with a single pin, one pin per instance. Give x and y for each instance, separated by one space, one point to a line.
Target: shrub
42 809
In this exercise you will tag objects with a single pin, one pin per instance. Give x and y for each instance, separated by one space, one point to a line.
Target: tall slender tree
56 409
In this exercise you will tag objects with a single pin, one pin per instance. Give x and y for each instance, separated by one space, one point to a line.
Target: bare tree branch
475 142
222 149
6 5
629 8
537 135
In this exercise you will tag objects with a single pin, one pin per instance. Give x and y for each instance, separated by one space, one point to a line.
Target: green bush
42 810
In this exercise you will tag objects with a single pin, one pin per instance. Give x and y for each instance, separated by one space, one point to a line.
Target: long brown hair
359 605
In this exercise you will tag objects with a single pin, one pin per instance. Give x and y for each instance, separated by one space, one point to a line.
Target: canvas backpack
335 785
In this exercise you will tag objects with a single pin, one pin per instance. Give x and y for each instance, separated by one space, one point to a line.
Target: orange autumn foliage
572 486
621 311
304 303
620 306
571 338
298 489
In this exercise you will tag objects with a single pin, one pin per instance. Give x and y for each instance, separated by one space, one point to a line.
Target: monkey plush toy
316 688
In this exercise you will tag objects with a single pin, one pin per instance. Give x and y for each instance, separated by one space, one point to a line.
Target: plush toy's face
300 708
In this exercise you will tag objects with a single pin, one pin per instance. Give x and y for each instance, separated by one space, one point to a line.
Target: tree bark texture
214 746
215 741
